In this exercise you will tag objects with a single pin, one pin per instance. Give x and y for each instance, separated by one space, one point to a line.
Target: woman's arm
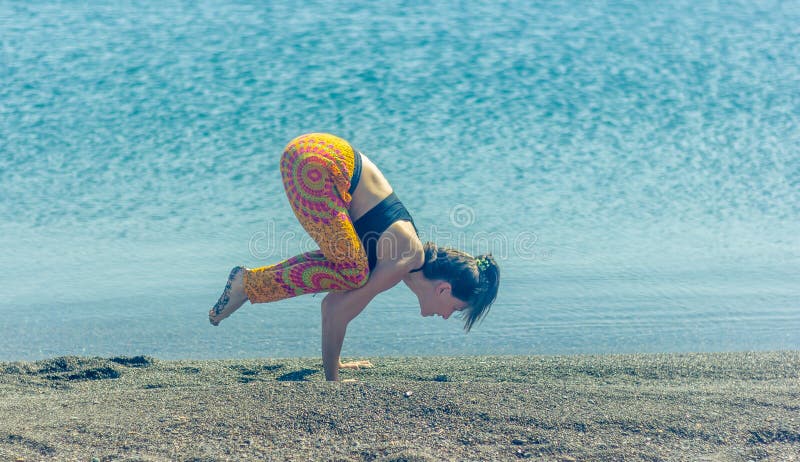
339 308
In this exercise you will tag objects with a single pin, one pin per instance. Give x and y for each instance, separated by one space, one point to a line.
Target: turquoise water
635 167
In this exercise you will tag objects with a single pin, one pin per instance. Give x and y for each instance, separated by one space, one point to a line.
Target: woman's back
372 188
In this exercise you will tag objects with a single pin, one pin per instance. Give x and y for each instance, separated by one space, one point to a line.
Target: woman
368 243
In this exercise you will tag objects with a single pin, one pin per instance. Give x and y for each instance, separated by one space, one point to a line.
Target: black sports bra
377 220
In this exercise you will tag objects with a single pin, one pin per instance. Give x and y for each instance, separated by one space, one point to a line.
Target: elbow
327 309
328 306
332 314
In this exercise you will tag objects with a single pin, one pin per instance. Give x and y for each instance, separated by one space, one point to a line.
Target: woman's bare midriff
371 190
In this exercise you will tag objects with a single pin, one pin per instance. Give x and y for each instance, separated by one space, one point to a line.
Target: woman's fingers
355 365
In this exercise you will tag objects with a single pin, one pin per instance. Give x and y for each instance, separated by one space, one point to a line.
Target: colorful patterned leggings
316 170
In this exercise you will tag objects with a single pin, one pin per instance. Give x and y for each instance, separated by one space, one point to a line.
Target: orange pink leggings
316 170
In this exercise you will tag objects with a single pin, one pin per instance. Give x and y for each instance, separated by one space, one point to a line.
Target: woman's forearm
333 332
339 308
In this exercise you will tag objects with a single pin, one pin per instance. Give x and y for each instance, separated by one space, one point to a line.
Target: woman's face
439 301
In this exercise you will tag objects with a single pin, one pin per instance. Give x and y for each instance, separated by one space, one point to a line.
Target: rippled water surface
635 168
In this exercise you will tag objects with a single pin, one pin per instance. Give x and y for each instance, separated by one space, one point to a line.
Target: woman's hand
355 365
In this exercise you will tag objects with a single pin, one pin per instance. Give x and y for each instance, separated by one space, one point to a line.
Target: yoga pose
368 243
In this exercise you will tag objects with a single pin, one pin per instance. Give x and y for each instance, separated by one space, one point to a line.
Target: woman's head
460 282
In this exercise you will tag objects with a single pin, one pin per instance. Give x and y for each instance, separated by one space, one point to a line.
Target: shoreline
704 406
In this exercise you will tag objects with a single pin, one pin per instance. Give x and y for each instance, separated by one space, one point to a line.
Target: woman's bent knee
358 276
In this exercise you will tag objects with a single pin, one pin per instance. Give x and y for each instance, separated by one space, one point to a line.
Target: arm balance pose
368 243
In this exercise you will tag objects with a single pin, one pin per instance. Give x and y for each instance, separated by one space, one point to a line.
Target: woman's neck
414 281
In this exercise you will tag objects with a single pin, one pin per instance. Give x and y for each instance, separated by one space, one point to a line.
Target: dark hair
474 280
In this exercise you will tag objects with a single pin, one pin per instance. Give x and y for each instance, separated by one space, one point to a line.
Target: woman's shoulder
401 246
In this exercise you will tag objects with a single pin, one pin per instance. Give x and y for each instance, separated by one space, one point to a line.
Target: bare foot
232 298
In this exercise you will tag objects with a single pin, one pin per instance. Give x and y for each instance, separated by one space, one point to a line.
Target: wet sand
714 407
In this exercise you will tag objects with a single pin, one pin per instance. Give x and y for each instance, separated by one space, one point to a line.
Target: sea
633 166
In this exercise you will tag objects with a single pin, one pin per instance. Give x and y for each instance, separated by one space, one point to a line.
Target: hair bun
483 262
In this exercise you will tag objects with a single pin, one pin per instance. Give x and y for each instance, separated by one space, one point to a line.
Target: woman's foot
232 298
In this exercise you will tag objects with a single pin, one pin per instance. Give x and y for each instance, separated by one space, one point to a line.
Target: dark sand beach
714 407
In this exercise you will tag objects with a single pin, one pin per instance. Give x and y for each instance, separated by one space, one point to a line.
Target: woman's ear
443 288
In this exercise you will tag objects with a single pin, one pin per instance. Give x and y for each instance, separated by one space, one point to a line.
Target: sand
714 407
